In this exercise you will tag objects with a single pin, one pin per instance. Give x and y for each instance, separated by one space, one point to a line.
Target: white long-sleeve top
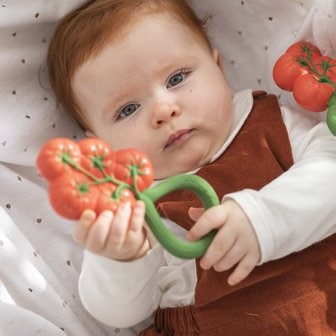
40 263
289 214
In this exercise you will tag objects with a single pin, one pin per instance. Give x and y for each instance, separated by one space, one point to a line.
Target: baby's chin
175 169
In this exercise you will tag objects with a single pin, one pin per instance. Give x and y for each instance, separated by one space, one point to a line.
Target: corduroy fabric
293 296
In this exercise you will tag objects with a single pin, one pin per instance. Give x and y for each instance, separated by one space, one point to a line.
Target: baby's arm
121 294
118 284
292 212
297 209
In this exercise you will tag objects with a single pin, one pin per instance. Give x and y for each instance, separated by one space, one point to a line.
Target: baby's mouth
178 137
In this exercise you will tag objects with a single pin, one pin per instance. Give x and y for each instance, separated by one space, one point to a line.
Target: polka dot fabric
27 104
251 41
40 263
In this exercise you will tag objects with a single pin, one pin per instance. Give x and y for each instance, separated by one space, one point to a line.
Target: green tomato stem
107 178
308 62
66 159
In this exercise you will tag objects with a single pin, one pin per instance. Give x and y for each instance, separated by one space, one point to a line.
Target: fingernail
231 282
125 205
107 214
204 265
190 236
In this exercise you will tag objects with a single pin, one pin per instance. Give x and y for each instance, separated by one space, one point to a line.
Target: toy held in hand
311 77
89 175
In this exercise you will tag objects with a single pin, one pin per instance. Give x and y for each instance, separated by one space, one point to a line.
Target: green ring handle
331 115
176 246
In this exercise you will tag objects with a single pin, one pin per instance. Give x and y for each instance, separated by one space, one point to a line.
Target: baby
143 74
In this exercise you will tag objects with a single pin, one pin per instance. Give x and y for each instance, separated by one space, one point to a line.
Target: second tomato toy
311 77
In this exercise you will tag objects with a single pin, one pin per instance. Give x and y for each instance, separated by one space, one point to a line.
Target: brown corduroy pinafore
293 296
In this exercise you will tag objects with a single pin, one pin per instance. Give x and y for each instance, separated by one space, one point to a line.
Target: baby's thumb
195 213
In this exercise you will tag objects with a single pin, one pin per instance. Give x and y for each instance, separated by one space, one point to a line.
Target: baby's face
159 89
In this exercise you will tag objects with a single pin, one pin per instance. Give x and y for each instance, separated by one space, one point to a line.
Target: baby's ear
90 134
217 58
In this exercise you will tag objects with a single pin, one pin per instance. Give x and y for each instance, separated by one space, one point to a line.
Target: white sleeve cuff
121 294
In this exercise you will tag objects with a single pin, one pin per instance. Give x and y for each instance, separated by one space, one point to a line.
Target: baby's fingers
215 254
243 269
120 224
138 216
195 213
232 255
213 218
97 236
82 227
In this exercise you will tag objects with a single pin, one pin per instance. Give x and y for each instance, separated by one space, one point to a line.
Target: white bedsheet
39 262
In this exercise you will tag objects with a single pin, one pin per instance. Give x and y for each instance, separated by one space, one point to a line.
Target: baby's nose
164 112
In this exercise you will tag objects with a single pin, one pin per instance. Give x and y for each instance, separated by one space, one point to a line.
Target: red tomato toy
52 159
70 194
90 175
131 163
301 48
286 70
311 77
312 94
97 157
110 197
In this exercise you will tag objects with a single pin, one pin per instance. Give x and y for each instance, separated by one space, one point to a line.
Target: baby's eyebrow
116 100
180 62
109 108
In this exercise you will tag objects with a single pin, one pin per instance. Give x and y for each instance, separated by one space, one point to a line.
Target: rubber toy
88 174
311 77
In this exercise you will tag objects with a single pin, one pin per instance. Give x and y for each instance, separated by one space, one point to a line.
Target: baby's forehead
133 21
116 23
157 37
174 27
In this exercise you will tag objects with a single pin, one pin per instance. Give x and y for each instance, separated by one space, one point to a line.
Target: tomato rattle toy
311 77
89 175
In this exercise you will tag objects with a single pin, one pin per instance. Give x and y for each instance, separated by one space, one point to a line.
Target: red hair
85 31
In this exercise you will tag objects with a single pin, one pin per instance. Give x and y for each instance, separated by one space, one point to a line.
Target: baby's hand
234 244
119 236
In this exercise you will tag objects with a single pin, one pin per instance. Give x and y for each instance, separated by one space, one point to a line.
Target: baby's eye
127 110
176 79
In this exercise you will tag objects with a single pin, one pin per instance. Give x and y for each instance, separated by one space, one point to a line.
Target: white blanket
39 261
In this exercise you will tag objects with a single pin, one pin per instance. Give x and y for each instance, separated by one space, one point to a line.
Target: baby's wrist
145 247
